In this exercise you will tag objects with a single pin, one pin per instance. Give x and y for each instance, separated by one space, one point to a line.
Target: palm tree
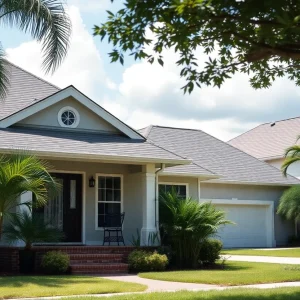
289 205
292 155
30 229
187 223
46 21
19 173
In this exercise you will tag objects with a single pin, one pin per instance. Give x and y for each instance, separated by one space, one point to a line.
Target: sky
141 94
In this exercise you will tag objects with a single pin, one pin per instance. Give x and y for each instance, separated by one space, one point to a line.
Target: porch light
91 182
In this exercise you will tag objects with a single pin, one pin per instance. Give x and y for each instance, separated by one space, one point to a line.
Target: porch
80 208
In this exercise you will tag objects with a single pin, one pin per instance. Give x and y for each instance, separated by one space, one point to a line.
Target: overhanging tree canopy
260 38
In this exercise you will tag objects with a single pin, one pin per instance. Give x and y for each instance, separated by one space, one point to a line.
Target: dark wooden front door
72 206
64 210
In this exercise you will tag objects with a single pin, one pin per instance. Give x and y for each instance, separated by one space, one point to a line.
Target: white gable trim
67 92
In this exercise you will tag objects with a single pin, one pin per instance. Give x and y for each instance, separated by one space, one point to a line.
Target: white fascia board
70 92
93 157
251 183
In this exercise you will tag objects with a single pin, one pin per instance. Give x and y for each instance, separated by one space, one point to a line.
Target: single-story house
82 141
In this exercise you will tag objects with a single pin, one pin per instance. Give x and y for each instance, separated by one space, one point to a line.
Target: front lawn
236 294
38 286
235 273
276 253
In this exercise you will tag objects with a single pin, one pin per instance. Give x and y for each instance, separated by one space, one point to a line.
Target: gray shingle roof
24 89
217 156
266 141
74 143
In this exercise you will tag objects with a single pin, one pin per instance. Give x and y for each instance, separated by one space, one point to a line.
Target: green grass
232 294
37 286
235 273
277 253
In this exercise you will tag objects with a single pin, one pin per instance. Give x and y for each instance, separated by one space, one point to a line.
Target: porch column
25 198
148 204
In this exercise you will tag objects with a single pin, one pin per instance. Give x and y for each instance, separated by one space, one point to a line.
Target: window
68 117
109 192
180 189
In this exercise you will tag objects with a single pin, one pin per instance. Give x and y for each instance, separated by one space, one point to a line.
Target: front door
64 210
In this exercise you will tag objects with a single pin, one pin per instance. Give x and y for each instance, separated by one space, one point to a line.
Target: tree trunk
1 224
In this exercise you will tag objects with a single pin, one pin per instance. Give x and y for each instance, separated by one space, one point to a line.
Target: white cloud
92 6
83 66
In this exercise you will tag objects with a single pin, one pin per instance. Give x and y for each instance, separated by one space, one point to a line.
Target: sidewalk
264 259
164 286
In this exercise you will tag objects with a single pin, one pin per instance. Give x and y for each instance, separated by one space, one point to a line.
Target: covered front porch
80 208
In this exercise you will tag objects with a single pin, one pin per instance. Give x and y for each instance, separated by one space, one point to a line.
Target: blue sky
141 94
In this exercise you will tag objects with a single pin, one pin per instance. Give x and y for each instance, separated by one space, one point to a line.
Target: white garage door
251 229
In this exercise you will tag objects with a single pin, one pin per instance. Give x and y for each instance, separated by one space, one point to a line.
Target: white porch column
148 203
24 198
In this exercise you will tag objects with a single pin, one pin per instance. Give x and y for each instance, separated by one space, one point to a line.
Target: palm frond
30 230
22 172
4 74
47 22
292 155
289 204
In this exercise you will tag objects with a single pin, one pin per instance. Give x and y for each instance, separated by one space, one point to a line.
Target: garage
254 224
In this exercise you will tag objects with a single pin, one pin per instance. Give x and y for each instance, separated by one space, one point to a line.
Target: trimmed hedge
140 260
55 262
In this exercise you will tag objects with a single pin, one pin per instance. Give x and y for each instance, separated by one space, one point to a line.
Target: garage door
251 229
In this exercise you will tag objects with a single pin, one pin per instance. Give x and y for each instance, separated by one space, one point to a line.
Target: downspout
157 197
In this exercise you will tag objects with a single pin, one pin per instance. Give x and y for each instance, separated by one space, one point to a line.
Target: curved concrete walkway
264 259
162 286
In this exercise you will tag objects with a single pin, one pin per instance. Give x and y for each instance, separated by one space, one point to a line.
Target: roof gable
71 91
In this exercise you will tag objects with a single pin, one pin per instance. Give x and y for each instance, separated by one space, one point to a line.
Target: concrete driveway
264 259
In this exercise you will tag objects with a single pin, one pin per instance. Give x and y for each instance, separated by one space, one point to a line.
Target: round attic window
68 117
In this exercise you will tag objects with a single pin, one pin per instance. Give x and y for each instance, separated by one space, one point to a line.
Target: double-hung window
109 190
180 189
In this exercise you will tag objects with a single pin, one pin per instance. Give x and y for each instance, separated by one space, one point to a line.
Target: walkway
159 286
264 259
164 286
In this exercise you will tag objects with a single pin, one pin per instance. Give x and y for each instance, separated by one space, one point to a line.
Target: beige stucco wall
88 119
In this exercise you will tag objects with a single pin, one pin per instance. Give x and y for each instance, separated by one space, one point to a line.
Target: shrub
167 250
186 222
140 260
55 262
210 250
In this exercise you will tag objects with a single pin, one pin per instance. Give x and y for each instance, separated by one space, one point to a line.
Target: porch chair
113 232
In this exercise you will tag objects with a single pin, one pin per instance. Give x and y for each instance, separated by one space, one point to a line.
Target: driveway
264 259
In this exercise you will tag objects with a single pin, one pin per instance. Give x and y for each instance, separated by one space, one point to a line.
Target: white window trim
97 175
75 111
176 183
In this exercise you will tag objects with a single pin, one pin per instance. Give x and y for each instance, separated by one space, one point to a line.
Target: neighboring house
82 141
269 141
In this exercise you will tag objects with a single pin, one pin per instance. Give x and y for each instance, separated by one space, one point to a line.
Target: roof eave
112 158
252 183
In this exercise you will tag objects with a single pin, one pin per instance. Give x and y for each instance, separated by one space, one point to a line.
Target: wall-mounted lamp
91 182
